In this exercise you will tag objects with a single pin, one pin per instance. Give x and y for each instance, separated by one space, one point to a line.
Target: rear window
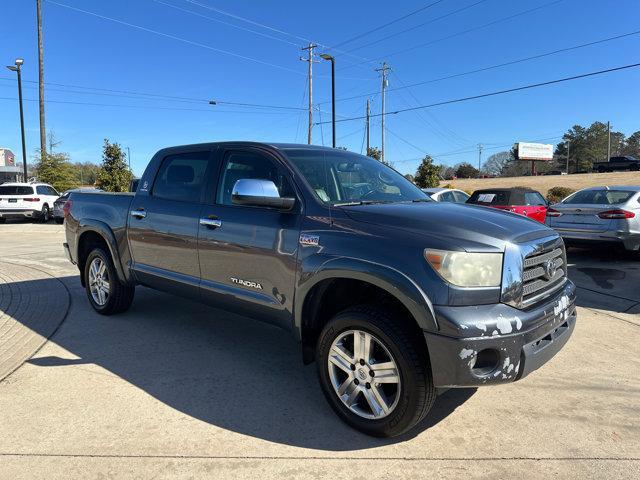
490 198
15 190
600 197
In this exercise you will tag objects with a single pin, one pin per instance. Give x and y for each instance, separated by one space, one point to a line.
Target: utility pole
43 134
384 70
310 47
479 158
129 157
18 69
568 145
608 141
367 125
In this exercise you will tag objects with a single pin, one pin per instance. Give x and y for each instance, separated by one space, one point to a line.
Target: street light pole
333 95
17 69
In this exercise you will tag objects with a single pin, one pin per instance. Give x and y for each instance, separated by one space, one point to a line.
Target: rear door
163 225
248 258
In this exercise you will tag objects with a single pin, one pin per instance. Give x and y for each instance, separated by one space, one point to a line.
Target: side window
241 165
41 190
534 198
447 197
460 197
181 177
52 192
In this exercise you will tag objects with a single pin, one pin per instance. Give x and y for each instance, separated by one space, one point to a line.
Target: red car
523 201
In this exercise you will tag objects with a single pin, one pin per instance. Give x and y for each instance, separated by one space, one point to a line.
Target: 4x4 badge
309 240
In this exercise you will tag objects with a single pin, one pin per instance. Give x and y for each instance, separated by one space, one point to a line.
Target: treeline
56 168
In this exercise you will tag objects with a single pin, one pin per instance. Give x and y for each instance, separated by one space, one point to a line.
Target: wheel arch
347 282
92 234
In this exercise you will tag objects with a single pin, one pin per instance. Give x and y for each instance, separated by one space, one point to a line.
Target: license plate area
13 200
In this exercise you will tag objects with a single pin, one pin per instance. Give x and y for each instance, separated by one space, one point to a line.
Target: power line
500 92
174 37
217 20
499 65
463 32
415 27
380 27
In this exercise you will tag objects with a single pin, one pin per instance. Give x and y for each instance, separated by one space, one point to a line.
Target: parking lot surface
173 389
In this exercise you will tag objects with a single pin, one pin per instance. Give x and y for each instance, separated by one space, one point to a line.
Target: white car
447 194
27 200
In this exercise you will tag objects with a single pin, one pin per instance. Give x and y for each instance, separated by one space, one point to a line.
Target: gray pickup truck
395 297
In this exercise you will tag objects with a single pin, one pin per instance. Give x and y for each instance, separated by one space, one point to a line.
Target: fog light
487 361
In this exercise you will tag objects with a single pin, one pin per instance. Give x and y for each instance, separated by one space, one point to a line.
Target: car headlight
465 269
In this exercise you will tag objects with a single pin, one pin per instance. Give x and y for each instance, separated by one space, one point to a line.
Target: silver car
599 214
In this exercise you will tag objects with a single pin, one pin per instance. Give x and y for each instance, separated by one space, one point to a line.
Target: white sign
535 151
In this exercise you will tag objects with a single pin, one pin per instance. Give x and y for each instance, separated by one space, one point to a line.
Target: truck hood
467 226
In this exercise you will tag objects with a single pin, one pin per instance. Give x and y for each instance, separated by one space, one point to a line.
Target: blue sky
227 58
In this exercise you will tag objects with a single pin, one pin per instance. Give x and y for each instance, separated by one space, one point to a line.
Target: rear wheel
45 214
106 293
374 372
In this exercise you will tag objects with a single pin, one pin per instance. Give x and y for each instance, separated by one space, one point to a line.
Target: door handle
138 213
211 222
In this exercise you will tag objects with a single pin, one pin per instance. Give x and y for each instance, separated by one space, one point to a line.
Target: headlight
467 269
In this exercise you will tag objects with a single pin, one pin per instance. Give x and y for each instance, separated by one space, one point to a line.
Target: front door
163 226
248 254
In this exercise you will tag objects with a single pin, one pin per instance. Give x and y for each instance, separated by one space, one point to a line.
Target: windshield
600 197
340 177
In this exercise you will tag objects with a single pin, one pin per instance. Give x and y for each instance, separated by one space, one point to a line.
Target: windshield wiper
358 202
426 200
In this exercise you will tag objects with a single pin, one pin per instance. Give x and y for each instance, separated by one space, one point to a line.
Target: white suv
27 200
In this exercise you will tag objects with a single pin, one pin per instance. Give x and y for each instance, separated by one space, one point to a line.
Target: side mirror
259 193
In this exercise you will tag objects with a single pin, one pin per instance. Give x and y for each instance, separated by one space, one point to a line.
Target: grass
544 182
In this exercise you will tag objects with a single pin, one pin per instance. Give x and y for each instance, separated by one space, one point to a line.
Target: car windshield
599 197
15 190
340 177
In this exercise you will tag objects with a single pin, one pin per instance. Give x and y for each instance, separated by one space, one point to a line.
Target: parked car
628 162
58 205
522 201
27 200
599 215
392 294
447 194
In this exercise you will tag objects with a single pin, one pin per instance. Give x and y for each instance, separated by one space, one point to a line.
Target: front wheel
106 293
374 372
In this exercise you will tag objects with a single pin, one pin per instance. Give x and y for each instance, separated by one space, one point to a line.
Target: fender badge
246 283
309 240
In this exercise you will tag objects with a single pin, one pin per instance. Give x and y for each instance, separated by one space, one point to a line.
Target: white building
9 171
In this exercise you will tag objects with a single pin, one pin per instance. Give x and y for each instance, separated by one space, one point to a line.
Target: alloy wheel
99 281
364 374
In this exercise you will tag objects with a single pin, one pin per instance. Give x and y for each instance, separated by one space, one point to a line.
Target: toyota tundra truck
394 296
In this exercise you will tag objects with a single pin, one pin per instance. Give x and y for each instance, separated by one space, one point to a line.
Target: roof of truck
278 145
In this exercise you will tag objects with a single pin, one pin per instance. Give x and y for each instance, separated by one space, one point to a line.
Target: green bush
555 194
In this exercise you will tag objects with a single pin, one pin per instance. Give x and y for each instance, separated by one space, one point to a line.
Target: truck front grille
544 272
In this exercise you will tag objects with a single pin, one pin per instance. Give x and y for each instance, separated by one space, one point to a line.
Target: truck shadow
229 371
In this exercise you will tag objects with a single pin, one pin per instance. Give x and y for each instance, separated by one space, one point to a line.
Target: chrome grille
544 272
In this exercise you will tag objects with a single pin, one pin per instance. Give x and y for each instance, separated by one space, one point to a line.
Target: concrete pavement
174 389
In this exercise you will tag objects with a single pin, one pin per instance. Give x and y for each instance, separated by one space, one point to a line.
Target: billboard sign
535 151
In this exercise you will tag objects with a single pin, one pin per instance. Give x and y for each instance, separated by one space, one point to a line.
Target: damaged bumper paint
490 344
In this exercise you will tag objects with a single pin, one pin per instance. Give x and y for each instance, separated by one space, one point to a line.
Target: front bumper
499 343
19 213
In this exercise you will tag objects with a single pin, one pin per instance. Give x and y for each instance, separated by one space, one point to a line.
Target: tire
118 296
59 221
45 214
602 169
408 401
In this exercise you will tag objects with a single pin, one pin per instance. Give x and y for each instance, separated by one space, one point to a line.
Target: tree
632 145
375 152
428 174
409 177
589 145
448 172
497 162
114 175
54 168
466 170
